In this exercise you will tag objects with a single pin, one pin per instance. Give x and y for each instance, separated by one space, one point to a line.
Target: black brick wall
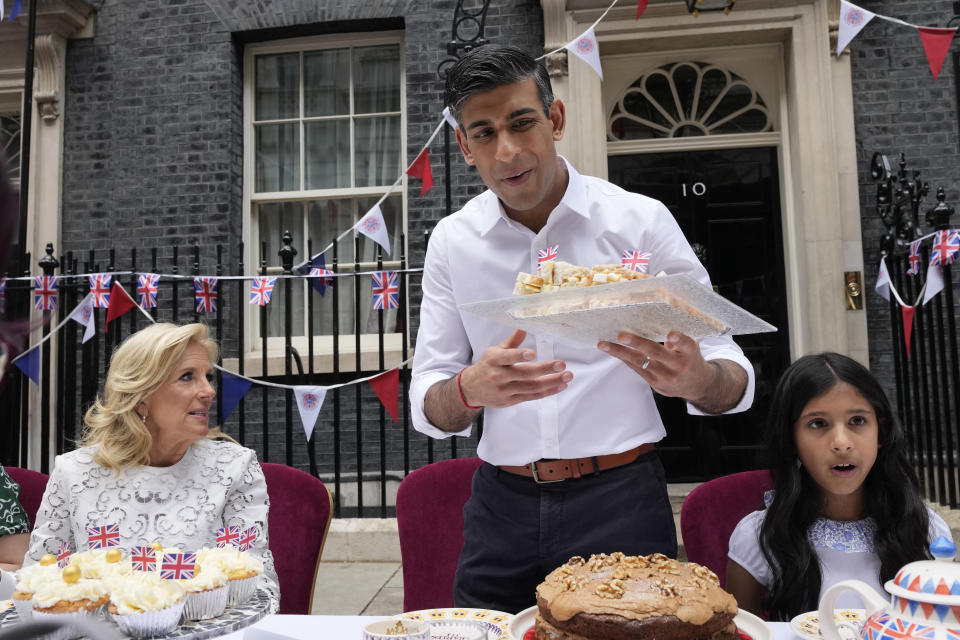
898 107
154 154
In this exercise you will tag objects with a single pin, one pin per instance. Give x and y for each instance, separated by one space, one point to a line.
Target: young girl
846 504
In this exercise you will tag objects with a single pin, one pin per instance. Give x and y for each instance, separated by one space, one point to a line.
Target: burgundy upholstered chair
430 523
32 485
711 512
300 510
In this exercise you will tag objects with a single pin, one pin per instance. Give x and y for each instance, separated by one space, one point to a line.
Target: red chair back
711 512
430 523
300 510
32 485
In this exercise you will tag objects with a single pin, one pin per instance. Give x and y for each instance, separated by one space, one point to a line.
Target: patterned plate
849 621
232 619
495 623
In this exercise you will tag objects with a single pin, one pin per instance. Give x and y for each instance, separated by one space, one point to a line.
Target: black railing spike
939 216
287 251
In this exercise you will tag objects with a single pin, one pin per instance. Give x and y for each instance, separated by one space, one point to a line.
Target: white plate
604 311
750 624
494 622
807 624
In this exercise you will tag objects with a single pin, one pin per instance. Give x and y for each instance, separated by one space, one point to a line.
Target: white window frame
323 344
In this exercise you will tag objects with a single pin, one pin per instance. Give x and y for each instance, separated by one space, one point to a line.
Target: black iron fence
355 447
928 375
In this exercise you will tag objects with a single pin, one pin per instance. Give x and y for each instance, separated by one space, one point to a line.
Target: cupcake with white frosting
207 592
242 570
143 605
29 581
69 597
101 563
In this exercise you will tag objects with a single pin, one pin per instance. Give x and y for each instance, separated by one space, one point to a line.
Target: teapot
924 601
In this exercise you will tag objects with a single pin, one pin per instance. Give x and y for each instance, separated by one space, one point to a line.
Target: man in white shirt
584 418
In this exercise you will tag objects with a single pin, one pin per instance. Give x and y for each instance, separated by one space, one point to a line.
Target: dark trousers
517 531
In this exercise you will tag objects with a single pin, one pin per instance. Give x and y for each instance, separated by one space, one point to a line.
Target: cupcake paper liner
206 604
66 633
241 590
150 623
24 608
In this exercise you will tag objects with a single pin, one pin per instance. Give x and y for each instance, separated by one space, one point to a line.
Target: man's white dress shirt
476 253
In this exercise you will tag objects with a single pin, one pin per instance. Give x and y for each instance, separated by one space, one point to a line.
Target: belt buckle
536 476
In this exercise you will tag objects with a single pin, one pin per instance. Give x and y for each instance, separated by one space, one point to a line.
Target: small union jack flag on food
147 285
550 253
45 293
227 536
914 258
63 554
261 290
101 537
100 288
247 539
143 558
178 566
636 260
386 291
946 246
205 290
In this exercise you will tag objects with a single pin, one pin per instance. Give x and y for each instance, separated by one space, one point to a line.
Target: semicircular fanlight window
686 99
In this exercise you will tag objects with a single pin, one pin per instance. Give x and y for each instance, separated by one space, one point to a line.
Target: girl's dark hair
490 66
891 489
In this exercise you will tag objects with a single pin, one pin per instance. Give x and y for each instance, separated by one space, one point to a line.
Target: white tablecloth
277 627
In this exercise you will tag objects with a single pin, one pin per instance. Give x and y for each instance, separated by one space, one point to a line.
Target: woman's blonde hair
139 365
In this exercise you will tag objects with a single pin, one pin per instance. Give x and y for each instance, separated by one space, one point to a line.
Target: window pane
278 86
10 144
392 210
326 83
277 164
376 79
327 154
326 219
377 150
275 218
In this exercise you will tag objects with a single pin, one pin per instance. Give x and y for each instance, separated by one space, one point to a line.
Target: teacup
396 629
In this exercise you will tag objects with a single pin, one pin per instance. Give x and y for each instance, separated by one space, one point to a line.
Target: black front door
727 202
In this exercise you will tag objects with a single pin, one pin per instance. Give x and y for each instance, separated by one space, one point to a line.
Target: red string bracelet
460 391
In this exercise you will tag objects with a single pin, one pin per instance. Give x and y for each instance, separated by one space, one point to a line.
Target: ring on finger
646 363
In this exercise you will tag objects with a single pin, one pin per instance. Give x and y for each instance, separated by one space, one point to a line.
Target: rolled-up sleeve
443 348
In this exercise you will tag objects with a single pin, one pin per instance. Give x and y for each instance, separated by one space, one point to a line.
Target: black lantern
696 6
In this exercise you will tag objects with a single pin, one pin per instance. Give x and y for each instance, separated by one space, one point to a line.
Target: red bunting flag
386 387
641 7
120 302
421 169
907 325
935 45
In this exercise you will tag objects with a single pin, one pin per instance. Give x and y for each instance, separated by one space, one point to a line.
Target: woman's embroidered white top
216 484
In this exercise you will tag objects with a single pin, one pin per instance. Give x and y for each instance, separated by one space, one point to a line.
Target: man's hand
677 369
504 375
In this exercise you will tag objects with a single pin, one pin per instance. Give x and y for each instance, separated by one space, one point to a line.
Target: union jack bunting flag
104 536
386 291
100 288
228 536
178 566
261 290
63 554
325 276
636 260
147 285
946 246
914 258
247 539
45 293
205 289
143 558
550 253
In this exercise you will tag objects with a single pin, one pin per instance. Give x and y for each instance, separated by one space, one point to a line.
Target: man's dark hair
489 67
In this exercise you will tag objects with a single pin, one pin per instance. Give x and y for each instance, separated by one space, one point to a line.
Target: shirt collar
574 199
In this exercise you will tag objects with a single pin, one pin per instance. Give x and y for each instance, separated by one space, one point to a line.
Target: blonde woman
149 462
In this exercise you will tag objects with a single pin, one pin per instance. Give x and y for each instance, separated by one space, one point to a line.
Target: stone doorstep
376 539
